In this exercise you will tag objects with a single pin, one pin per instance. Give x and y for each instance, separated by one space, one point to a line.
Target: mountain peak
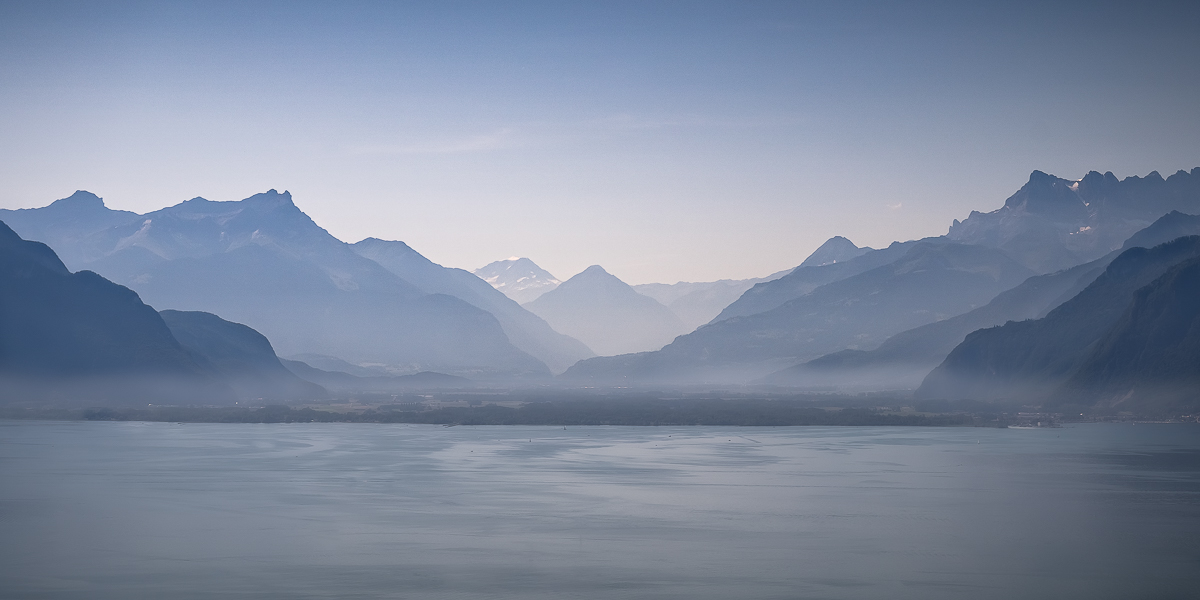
835 249
518 278
80 200
1040 177
1048 195
271 198
383 250
607 314
374 241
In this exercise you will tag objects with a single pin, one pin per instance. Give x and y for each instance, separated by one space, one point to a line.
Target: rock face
1029 359
239 357
526 330
1052 223
263 262
79 339
518 278
933 280
607 314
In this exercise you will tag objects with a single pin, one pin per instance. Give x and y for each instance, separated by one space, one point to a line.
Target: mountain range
1073 293
263 262
903 360
1053 223
857 302
932 280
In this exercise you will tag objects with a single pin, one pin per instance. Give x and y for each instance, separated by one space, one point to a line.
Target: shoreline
689 413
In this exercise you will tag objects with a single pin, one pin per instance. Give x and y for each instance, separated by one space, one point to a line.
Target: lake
157 510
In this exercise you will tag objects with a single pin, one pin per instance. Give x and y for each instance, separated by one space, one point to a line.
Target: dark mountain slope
238 356
1149 361
78 338
932 281
526 330
607 314
1027 359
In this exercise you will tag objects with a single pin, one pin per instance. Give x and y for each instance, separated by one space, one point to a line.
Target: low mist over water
137 510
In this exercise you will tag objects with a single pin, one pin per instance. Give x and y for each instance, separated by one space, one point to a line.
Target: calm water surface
153 510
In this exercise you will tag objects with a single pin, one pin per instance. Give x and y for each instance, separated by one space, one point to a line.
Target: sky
665 141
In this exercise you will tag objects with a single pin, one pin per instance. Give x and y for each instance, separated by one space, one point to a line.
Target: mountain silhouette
607 314
239 357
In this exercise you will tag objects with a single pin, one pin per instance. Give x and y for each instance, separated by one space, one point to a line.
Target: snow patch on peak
518 278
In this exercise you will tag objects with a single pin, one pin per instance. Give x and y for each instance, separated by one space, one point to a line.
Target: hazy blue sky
665 141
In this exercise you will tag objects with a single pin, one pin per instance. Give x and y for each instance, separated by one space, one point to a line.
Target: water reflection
120 510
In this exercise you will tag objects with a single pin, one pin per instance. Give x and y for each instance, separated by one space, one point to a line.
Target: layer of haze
665 141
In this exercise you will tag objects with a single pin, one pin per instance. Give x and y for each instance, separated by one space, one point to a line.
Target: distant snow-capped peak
518 278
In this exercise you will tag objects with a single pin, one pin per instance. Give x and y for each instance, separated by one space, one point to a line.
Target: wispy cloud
532 134
628 122
497 140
